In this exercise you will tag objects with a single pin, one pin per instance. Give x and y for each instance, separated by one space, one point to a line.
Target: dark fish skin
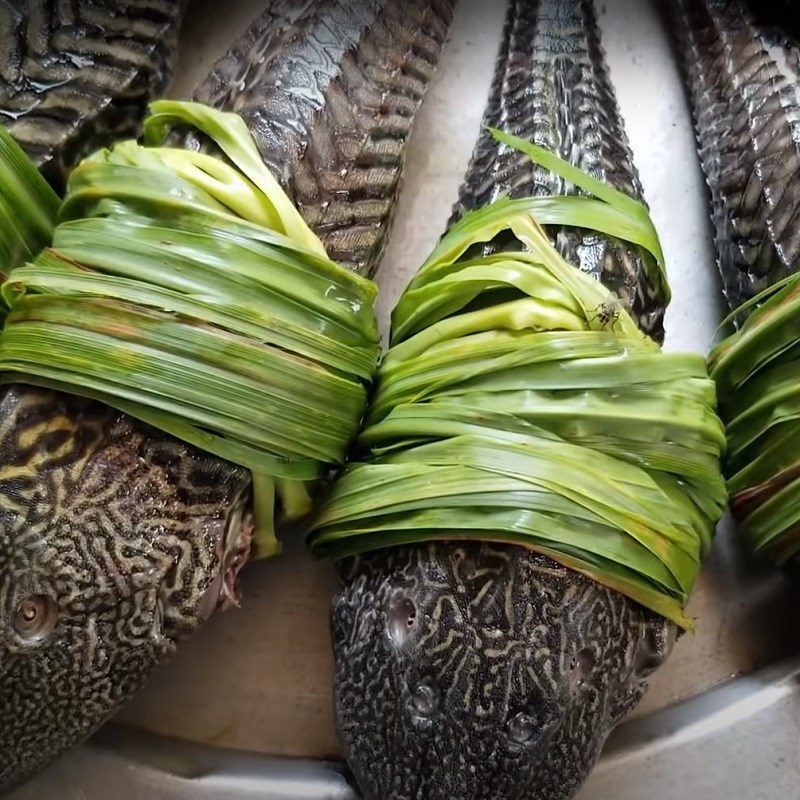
115 543
331 115
747 118
116 540
483 672
470 671
552 86
76 75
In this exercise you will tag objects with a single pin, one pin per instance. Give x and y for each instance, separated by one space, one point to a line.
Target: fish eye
34 618
402 618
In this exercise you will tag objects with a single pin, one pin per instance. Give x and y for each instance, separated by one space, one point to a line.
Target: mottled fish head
115 543
496 661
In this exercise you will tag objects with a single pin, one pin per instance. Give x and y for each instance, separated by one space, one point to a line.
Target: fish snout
468 671
68 659
115 543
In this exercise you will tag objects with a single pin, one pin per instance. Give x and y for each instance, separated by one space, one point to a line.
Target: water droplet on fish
521 728
15 113
43 86
80 61
425 699
580 666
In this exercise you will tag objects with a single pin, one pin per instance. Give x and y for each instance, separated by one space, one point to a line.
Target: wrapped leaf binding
520 403
743 93
187 291
757 373
28 206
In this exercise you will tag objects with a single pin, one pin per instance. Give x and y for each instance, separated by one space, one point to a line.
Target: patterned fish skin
77 74
119 539
483 672
552 86
330 91
115 543
747 118
468 671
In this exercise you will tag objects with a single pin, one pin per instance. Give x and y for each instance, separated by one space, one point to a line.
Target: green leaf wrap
186 290
758 381
28 206
520 403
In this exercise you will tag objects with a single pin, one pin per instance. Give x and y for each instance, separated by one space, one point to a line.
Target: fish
587 130
335 135
479 670
116 540
743 86
75 76
745 105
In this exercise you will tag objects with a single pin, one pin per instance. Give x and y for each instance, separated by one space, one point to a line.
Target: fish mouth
235 546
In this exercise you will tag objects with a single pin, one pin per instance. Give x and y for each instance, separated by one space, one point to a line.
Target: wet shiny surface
735 742
259 678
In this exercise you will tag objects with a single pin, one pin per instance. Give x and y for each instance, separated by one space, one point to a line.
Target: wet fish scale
363 88
74 75
469 671
124 539
552 86
746 113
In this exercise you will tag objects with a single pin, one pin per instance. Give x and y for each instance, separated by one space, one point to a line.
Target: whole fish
74 76
482 671
116 540
748 128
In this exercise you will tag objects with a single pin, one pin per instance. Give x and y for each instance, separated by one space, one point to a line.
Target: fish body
331 113
744 89
747 117
118 540
482 671
75 76
552 87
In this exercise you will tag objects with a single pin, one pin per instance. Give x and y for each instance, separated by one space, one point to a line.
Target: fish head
115 542
468 670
